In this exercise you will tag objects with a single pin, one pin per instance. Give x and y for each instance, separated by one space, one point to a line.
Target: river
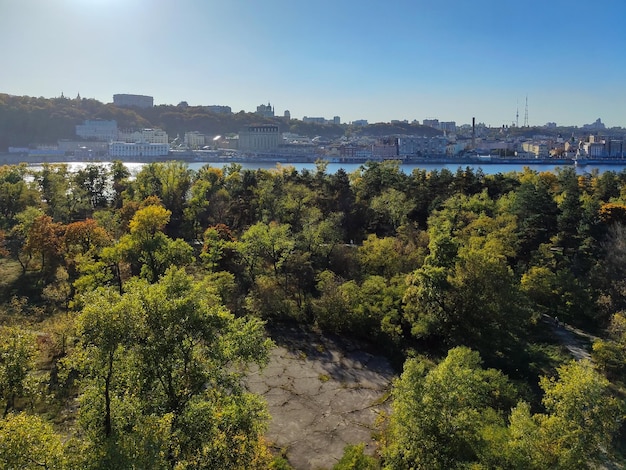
487 168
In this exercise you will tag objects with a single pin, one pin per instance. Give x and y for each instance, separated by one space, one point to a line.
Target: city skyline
358 60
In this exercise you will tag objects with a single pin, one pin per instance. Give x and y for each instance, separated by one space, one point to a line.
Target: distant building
387 149
259 138
104 131
314 120
151 136
137 150
287 115
337 120
538 149
129 101
615 148
360 122
447 126
431 123
265 111
77 146
218 109
194 139
598 125
355 151
422 146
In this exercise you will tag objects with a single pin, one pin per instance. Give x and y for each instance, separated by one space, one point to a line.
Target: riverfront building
422 146
194 140
103 131
137 150
152 136
261 138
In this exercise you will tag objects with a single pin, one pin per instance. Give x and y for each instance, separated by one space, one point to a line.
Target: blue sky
369 59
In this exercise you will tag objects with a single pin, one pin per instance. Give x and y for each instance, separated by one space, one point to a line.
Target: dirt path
323 393
576 341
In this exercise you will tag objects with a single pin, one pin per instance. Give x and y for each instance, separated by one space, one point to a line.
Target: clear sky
359 59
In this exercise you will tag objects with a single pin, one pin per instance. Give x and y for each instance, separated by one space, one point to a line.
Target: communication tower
526 113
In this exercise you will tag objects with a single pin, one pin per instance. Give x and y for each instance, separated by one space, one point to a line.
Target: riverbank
189 157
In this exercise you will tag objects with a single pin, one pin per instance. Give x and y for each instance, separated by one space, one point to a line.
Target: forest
134 305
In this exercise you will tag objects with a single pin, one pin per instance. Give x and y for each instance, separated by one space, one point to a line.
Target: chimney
473 133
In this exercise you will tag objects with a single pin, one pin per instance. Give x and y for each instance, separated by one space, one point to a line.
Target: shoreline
15 159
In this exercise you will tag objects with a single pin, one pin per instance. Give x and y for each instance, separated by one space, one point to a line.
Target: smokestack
473 133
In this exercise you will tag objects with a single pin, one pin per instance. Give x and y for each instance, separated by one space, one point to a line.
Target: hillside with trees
133 308
28 121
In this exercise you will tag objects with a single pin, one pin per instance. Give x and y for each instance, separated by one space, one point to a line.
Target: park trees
580 421
466 293
459 415
169 356
17 359
170 182
148 248
440 413
15 194
28 442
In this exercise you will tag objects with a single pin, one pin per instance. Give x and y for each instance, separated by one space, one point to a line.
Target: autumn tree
44 240
170 182
148 248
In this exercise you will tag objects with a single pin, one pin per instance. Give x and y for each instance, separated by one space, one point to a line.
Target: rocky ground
323 393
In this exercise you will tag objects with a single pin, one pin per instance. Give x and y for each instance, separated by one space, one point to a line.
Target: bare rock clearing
323 393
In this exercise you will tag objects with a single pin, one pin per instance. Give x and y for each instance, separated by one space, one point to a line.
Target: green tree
264 245
170 182
94 180
15 194
28 442
610 353
105 326
147 248
170 358
476 302
578 427
354 458
439 415
391 208
17 360
390 256
536 213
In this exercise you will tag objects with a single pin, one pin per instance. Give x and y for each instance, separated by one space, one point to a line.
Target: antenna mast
517 114
526 113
